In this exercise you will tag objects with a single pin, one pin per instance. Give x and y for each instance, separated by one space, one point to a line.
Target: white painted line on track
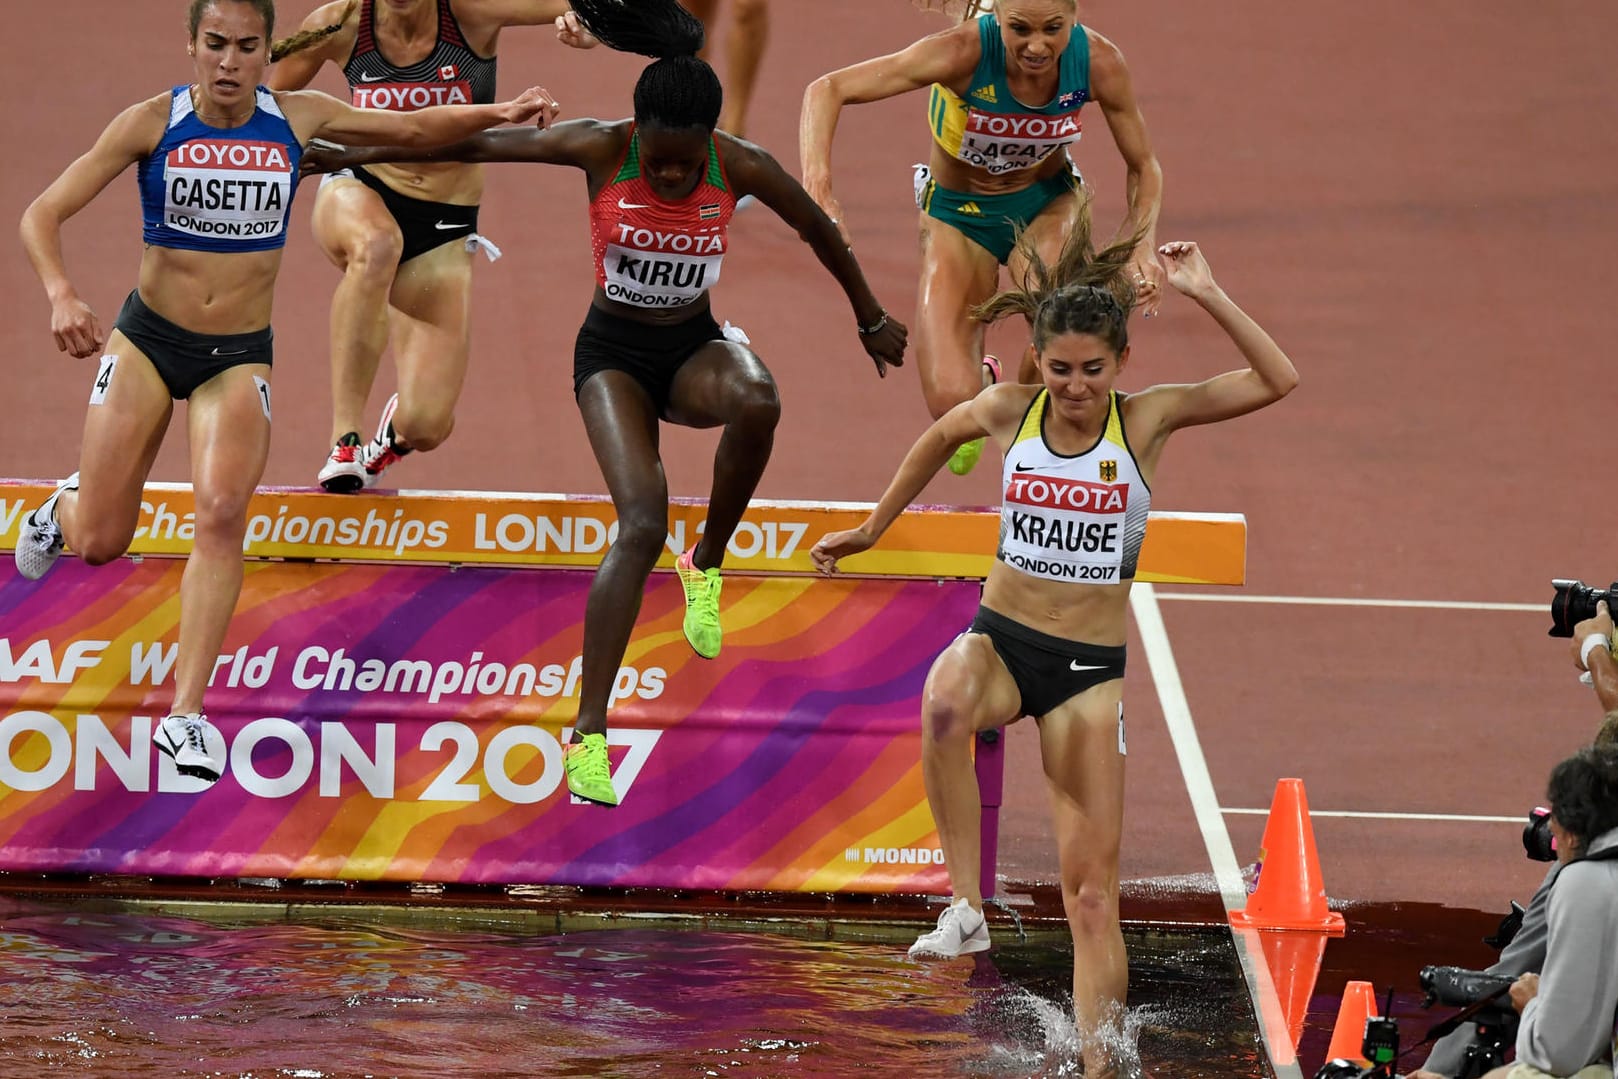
1221 855
1358 815
1355 601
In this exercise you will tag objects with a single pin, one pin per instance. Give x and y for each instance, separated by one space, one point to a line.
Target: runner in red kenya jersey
662 188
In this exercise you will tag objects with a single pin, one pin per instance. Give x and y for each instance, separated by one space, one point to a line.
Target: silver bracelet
876 327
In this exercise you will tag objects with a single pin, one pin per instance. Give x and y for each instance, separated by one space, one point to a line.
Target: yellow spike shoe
702 587
589 773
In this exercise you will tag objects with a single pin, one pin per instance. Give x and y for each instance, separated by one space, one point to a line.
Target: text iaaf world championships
316 667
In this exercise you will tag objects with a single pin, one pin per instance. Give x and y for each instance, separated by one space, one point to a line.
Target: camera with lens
1575 601
1537 841
1484 1001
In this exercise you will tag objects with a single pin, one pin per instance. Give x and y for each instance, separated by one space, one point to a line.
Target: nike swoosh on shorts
238 352
1077 666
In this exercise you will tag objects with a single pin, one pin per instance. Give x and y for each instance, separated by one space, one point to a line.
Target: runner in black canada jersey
1048 641
403 236
662 190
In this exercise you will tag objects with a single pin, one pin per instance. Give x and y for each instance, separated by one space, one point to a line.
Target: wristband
1590 643
875 327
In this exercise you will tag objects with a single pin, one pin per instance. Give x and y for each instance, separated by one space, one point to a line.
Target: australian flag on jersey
1070 99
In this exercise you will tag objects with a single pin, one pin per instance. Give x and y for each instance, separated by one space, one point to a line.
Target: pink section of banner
393 722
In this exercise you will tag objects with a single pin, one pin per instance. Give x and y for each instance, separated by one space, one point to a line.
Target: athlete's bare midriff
956 175
1092 613
210 292
453 183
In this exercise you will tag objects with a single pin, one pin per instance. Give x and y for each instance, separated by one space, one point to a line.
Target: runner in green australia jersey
1006 90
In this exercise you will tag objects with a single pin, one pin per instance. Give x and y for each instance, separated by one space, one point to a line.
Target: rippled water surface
142 994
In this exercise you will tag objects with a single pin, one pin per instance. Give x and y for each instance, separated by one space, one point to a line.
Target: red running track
1414 199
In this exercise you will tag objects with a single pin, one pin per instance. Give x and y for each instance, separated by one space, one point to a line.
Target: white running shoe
195 744
344 471
380 453
39 537
961 931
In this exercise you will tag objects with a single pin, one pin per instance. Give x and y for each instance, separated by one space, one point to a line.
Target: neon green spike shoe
701 606
965 459
589 774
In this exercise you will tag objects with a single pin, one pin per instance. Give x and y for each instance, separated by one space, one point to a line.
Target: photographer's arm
1590 655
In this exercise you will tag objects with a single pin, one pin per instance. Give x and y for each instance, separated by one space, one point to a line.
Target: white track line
1358 815
1205 803
1350 601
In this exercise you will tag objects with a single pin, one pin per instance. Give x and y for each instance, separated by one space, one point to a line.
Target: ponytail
1085 291
677 90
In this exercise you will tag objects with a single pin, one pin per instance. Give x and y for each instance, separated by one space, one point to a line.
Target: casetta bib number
227 188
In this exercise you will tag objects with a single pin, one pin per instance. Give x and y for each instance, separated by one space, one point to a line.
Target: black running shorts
424 225
1048 670
652 355
185 360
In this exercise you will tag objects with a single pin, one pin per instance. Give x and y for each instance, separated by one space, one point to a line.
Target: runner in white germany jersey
1077 518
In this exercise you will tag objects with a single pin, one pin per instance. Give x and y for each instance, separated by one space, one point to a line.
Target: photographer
1525 954
1569 1010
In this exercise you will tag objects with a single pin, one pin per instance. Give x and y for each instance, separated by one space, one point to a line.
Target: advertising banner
502 528
405 722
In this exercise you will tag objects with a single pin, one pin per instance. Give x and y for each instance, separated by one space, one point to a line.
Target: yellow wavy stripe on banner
836 874
825 835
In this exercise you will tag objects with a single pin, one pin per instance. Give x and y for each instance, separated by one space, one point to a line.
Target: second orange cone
1289 892
1348 1036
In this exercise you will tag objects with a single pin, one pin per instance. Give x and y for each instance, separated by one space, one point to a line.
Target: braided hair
1085 291
677 90
305 38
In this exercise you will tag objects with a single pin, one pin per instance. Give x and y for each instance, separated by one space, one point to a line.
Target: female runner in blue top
218 166
1007 90
1048 641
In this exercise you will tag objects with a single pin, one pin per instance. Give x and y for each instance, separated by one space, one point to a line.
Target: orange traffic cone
1288 892
1294 961
1348 1036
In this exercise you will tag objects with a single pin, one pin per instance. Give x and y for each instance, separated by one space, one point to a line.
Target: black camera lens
1537 841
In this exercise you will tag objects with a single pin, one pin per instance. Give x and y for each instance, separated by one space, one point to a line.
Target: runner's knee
755 401
643 528
97 547
424 430
373 254
1091 904
221 517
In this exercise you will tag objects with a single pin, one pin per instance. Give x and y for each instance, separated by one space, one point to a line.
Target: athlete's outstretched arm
945 57
1143 184
313 114
580 143
1268 377
754 172
995 409
132 135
